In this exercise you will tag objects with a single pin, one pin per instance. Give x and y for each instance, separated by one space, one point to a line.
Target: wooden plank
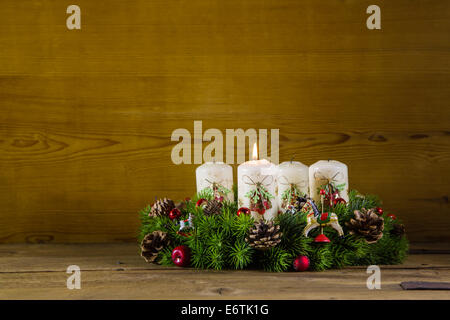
38 272
87 115
183 284
109 257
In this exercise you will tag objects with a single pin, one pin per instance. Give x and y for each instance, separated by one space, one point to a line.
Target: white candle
292 181
328 172
216 178
257 187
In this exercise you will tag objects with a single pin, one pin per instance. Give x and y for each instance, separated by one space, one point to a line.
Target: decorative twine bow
258 183
285 181
216 188
337 176
213 183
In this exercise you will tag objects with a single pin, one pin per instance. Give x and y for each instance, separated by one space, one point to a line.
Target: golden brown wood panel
116 271
86 115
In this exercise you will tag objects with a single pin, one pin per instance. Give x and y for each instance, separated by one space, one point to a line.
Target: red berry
322 192
301 263
243 210
379 210
181 256
201 202
392 216
174 214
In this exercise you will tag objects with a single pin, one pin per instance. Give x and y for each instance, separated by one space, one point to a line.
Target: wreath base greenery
218 241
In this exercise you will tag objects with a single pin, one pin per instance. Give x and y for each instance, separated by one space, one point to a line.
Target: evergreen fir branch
216 251
276 260
321 258
198 253
242 225
240 255
165 256
227 220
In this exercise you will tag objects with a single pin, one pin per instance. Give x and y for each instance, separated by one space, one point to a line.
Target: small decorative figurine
316 219
186 224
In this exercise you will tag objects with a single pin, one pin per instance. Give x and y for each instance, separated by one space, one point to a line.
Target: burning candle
332 177
257 187
216 180
293 181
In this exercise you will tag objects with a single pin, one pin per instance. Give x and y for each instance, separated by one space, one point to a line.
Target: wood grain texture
86 115
115 271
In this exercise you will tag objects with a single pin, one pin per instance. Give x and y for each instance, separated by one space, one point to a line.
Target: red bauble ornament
322 192
379 210
201 202
243 210
181 256
339 200
301 263
174 214
321 238
392 216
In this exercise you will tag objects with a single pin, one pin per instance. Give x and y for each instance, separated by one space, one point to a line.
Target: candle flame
255 152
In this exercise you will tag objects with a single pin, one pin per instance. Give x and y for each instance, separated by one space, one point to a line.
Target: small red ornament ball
243 210
301 263
201 202
174 214
392 216
379 210
181 256
322 192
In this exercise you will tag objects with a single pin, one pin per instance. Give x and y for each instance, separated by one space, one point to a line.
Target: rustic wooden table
116 271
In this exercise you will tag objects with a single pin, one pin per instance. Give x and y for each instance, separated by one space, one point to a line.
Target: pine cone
152 244
366 224
398 230
213 207
264 235
162 207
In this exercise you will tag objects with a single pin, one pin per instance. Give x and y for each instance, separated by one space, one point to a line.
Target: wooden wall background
86 116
